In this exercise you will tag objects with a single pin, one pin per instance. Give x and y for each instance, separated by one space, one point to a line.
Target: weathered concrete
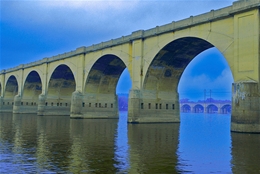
155 58
146 108
245 107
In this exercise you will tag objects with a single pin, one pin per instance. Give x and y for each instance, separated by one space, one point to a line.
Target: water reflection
202 143
246 153
205 143
53 143
121 145
153 147
92 147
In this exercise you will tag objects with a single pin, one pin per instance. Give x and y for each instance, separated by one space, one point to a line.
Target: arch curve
32 87
212 108
104 74
11 88
186 108
170 62
60 88
100 87
198 108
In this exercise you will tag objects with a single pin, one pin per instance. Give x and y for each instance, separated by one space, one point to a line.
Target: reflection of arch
186 108
11 88
198 108
212 108
225 109
61 85
32 87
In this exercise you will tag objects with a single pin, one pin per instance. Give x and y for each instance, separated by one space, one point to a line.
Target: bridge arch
105 71
185 108
211 108
100 86
11 89
198 108
225 109
173 56
60 88
32 88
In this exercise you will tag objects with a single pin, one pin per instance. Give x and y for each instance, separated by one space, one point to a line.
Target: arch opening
60 88
163 79
101 84
11 88
186 108
198 108
32 88
226 109
168 65
123 87
212 109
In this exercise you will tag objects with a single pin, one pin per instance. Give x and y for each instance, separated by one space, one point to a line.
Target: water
202 143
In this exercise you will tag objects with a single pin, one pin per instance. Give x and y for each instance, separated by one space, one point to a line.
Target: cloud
194 86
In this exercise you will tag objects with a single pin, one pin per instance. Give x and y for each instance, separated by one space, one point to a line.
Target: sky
32 30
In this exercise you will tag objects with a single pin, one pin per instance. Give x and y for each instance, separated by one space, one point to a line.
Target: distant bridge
82 83
206 107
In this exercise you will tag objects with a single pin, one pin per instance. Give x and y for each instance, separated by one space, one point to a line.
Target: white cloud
204 81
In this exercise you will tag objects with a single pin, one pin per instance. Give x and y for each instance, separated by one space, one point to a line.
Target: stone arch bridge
205 107
82 83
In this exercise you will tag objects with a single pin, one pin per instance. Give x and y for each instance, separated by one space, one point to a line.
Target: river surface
201 143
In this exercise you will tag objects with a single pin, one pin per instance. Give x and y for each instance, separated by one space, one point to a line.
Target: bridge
82 83
207 106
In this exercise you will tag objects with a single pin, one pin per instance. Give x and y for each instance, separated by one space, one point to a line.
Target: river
201 143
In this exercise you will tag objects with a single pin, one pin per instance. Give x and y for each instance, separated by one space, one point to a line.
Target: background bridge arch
198 108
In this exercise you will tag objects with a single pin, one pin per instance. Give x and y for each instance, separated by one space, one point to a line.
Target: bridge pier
245 115
41 104
96 106
17 104
1 103
142 109
76 105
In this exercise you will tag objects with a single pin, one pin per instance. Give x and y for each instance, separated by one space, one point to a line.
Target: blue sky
32 30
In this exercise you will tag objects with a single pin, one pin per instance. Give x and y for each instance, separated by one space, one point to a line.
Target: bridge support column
76 105
1 103
143 109
98 106
17 104
41 104
245 115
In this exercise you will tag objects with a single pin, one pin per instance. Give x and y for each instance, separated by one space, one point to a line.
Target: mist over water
201 143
